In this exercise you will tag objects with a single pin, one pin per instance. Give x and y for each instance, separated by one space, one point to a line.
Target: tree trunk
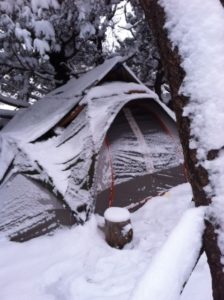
58 61
159 79
198 176
118 229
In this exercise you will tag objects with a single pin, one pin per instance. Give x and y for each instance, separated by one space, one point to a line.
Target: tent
100 140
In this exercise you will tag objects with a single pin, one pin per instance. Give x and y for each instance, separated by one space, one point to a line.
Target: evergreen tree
141 47
44 42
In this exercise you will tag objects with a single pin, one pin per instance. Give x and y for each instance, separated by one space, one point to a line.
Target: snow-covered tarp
71 152
20 212
29 124
64 158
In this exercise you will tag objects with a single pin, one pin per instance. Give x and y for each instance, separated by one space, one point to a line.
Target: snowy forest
111 149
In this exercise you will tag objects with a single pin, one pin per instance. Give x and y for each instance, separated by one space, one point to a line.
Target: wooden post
118 228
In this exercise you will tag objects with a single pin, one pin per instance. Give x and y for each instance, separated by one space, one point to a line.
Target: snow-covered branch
7 114
173 265
13 102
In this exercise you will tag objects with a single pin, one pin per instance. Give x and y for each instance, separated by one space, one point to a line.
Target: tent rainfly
101 140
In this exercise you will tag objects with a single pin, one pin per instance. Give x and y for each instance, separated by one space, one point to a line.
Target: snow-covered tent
55 163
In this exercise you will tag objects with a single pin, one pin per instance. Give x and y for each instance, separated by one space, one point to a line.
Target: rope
112 188
178 148
178 151
112 185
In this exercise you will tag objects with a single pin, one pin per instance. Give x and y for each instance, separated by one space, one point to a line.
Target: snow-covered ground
77 263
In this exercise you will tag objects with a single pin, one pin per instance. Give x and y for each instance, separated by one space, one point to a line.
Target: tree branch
13 102
7 114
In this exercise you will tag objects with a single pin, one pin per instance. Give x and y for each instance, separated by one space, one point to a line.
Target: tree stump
118 228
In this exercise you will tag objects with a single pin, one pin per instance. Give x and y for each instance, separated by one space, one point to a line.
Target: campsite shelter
102 139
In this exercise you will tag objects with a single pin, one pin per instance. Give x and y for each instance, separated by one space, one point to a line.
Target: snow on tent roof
83 136
164 106
29 124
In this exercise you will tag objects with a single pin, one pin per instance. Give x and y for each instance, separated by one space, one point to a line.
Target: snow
117 214
53 164
44 28
41 46
197 30
77 263
181 249
125 152
6 6
199 285
37 208
104 102
24 35
117 87
87 80
86 30
164 106
141 140
121 159
44 4
63 161
71 150
30 124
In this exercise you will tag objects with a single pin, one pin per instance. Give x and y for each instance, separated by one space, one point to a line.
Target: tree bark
222 2
58 61
116 234
198 176
159 79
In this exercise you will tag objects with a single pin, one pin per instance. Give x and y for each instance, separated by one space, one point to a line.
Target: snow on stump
118 229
